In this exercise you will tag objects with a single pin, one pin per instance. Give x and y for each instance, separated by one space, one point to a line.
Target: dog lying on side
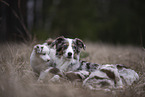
110 76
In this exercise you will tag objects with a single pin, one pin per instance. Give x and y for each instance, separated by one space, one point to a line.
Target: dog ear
57 41
49 41
80 43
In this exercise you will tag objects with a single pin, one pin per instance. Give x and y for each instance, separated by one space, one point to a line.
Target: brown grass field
18 80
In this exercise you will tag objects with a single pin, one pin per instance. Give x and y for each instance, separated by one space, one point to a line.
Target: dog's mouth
68 57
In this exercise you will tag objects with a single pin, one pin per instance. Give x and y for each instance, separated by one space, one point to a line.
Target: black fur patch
54 70
104 83
109 73
42 49
59 48
96 77
120 66
88 66
78 44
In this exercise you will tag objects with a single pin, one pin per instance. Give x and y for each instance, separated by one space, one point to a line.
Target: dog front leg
44 74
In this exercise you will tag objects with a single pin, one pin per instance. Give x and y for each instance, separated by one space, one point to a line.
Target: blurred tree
115 21
125 22
12 24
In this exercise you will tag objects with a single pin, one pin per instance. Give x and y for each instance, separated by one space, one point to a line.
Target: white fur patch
69 48
39 58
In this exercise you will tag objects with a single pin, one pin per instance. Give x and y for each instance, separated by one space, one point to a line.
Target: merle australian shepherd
67 55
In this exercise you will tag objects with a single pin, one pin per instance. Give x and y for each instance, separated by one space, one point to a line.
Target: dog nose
69 54
48 60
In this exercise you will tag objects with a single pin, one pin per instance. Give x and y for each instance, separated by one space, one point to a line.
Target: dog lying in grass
40 60
64 62
68 59
67 55
110 76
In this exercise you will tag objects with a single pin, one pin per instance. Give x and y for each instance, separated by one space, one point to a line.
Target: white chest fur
66 65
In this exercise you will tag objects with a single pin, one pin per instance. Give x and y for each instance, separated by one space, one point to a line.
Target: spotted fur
93 75
67 53
63 44
110 76
88 66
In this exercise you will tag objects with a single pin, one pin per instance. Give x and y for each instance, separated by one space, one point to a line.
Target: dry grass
18 80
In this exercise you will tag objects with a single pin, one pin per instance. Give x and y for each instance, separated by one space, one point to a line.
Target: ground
18 80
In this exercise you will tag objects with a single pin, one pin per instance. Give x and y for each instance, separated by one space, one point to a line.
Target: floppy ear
57 41
49 41
80 43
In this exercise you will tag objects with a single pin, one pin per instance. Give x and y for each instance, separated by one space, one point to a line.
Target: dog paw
55 78
39 81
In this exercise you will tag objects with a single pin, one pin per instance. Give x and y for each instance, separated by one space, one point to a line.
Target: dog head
68 48
42 51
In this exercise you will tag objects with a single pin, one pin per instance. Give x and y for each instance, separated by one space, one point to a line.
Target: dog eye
37 47
74 47
44 54
65 46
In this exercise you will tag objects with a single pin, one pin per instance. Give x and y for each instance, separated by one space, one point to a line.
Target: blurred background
109 21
